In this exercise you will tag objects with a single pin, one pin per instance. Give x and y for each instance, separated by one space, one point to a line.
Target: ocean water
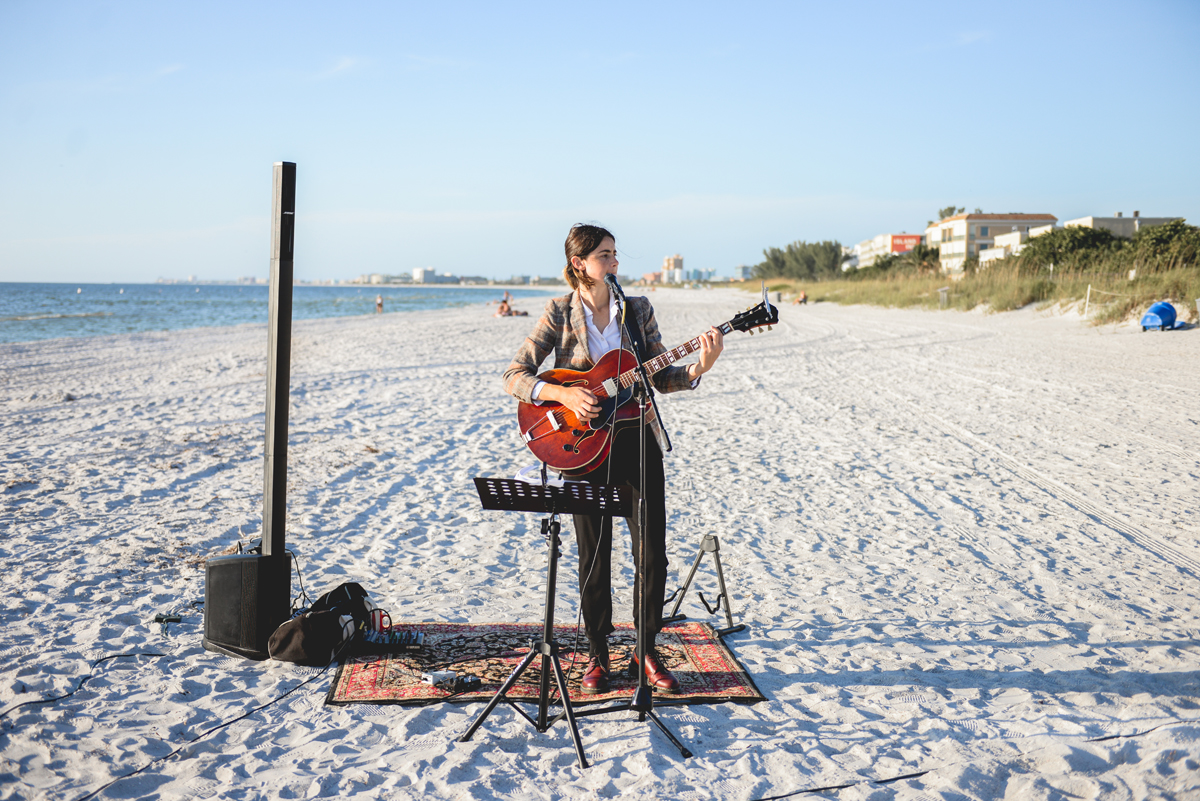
31 312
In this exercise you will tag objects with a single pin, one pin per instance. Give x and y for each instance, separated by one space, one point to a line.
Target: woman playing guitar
580 328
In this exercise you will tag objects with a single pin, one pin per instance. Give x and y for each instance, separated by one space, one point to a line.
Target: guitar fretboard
666 359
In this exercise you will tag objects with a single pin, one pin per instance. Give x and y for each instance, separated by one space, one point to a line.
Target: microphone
611 281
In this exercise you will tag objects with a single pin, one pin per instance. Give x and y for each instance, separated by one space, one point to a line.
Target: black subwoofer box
246 597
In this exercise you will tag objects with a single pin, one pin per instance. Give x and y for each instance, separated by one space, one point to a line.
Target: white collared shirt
599 342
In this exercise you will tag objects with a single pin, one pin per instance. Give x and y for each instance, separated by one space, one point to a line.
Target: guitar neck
666 359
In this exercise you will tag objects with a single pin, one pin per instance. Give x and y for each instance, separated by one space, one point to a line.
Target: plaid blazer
562 328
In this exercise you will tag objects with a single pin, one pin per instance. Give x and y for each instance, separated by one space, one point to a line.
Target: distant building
380 278
964 236
742 272
672 263
427 275
867 251
652 278
849 259
1120 224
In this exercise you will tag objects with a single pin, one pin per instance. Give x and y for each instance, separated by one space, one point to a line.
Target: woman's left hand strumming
711 345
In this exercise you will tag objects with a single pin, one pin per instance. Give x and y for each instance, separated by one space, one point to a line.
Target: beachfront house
1120 224
964 236
1010 244
866 252
849 259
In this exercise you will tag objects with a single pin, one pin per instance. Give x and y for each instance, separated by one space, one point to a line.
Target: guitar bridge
553 423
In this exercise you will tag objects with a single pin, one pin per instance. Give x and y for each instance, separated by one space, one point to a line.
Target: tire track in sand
1150 542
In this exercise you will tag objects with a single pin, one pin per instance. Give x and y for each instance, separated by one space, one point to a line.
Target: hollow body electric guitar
569 445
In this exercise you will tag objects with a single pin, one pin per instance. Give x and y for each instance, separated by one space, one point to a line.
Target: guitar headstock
759 315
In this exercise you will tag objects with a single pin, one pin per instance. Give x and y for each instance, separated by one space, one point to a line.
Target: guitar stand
574 497
709 544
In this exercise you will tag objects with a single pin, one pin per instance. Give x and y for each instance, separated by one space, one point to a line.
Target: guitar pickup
610 387
553 423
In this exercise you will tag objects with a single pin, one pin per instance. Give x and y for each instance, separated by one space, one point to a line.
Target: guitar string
627 378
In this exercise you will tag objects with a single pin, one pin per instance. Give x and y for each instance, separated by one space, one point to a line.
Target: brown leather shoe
595 678
659 677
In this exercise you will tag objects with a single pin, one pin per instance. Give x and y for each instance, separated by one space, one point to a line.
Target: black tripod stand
709 544
571 498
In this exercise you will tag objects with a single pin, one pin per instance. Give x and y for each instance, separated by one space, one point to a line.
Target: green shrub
1174 244
801 261
1067 249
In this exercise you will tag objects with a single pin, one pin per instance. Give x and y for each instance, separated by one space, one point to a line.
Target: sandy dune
967 548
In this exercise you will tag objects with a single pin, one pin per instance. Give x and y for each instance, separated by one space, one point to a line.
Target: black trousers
593 534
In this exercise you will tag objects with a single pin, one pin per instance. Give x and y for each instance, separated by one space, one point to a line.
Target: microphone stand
615 288
643 697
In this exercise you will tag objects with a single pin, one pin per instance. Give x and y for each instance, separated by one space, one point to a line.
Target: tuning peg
750 332
768 328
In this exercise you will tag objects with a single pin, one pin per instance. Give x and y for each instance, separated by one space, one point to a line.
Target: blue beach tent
1159 317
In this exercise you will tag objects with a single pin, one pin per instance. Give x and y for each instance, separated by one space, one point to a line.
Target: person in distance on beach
506 310
579 328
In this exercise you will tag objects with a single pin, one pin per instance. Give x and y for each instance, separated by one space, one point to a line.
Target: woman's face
600 262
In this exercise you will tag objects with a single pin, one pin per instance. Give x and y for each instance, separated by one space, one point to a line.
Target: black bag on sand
323 632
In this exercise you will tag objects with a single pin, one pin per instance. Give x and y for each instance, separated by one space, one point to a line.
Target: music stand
572 498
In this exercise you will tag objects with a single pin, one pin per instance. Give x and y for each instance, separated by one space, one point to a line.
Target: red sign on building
902 243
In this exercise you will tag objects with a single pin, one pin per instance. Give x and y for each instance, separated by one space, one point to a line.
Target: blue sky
136 139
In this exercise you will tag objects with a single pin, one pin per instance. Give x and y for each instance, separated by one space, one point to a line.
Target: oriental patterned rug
706 669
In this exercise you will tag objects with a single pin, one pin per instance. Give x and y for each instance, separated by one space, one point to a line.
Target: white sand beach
966 547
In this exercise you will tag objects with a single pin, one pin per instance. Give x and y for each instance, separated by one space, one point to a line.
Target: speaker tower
247 596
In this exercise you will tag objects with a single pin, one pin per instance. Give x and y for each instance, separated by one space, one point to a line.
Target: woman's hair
582 240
